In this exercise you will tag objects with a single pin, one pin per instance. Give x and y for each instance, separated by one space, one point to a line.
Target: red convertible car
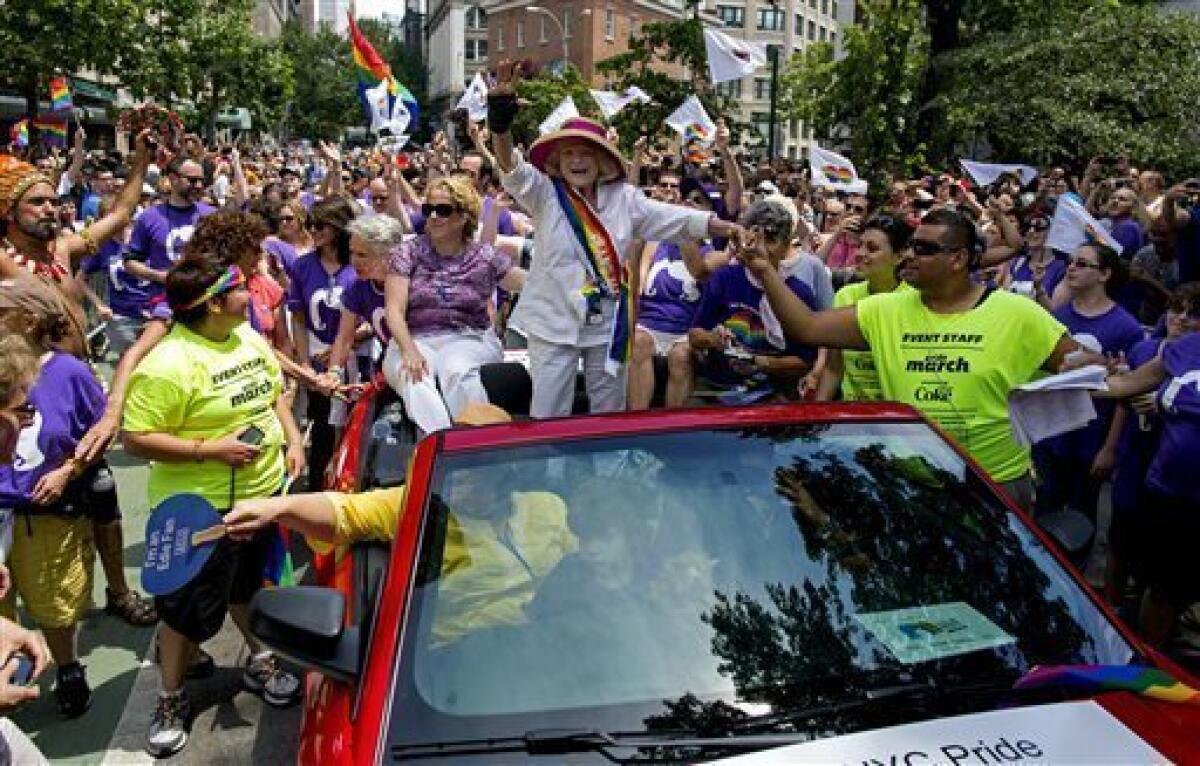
780 584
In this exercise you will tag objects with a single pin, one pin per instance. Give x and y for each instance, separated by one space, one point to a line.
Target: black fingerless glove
502 110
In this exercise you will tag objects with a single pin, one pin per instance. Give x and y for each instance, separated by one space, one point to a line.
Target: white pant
553 368
454 360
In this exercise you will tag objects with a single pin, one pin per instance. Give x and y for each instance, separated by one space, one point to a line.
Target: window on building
762 88
499 38
761 122
799 25
610 24
822 34
520 34
476 50
476 17
794 128
770 19
730 88
833 37
732 15
542 38
635 26
825 7
812 30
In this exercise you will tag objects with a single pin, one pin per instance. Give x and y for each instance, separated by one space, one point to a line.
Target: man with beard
161 231
32 246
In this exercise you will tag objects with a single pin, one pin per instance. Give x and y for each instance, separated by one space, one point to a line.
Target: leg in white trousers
454 361
553 367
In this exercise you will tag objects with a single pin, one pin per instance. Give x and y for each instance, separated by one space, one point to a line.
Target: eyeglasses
925 249
442 210
1080 263
287 219
1037 224
695 199
857 209
666 185
193 180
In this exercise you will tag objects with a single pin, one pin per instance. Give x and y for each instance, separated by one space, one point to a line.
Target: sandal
131 607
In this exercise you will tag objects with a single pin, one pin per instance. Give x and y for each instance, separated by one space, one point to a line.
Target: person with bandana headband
210 372
577 303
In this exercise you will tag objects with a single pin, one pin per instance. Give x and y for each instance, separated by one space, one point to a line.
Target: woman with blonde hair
293 226
438 292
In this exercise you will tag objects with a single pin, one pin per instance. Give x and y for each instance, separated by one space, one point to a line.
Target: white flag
563 112
986 173
730 58
832 170
378 99
399 119
611 103
692 122
474 99
1073 226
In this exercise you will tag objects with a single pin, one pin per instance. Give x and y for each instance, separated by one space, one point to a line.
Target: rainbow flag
52 129
370 69
60 95
1092 679
608 276
18 134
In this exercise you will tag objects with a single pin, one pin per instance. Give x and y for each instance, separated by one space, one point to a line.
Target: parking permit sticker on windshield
923 633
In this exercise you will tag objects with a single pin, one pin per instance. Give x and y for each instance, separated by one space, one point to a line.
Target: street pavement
231 726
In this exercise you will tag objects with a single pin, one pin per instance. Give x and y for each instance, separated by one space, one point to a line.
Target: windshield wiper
565 741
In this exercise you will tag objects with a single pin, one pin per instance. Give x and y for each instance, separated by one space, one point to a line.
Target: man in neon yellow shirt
952 348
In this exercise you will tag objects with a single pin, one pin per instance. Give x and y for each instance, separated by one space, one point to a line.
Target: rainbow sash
1091 679
608 277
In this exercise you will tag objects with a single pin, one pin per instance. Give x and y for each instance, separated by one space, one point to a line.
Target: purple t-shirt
1022 275
668 302
1173 471
1128 233
318 295
504 226
69 401
447 294
731 300
128 296
1136 446
283 254
159 235
365 299
1114 331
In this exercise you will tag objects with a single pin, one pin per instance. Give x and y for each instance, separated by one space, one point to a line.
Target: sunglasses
857 209
695 199
1037 224
441 210
669 185
379 198
287 218
193 180
925 249
1079 263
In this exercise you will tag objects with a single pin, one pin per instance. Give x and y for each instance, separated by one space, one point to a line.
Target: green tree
325 99
39 38
545 92
661 43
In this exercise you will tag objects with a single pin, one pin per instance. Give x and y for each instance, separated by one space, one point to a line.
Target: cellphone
23 675
252 435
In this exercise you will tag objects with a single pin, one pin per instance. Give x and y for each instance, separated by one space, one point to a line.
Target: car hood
1117 728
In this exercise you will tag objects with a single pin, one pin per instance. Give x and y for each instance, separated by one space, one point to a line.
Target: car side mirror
306 625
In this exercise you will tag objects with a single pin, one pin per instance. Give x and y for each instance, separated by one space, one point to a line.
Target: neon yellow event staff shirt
860 381
192 388
959 368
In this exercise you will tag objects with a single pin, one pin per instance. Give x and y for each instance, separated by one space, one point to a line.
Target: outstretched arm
90 239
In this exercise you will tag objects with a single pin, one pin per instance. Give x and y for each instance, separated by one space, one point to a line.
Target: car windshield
648 581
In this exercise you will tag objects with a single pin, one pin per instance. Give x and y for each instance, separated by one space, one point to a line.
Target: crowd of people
244 300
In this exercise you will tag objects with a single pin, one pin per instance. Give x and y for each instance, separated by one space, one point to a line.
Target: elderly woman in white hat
577 301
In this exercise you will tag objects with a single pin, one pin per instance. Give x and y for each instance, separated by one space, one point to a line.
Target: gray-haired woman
372 239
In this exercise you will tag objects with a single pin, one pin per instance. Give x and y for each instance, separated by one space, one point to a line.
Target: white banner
377 100
563 112
1063 732
730 58
474 99
832 170
611 103
1073 226
692 122
987 173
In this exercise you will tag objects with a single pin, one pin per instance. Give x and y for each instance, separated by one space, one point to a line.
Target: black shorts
232 575
93 495
1172 529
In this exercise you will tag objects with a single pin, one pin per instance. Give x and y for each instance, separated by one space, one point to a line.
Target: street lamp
561 30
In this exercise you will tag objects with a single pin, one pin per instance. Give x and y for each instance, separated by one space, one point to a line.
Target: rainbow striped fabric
18 134
60 95
370 69
608 276
1091 679
52 129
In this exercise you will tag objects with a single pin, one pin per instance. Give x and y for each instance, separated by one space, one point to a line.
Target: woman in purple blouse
438 292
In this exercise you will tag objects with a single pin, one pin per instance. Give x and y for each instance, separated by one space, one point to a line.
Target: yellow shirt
488 575
193 388
959 368
860 381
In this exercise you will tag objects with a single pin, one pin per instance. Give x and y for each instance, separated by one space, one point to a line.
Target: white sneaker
276 686
169 725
